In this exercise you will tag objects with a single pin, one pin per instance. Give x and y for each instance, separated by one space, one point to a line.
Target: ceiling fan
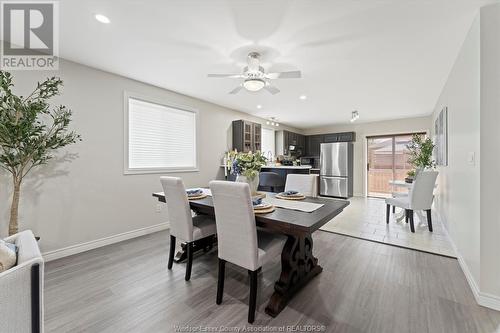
255 78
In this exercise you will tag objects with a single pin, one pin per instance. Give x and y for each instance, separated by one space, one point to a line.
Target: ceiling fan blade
231 76
236 90
284 75
272 89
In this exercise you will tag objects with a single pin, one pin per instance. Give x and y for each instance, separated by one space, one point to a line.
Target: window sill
158 171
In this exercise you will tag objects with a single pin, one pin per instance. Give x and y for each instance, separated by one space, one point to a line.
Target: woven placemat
264 211
301 197
198 197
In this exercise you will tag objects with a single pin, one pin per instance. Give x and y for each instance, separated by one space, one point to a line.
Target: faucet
269 156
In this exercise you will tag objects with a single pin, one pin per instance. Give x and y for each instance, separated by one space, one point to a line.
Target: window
268 141
159 138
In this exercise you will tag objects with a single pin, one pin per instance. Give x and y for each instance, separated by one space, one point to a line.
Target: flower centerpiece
247 167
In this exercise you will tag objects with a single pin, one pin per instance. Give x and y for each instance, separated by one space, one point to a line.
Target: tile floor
365 218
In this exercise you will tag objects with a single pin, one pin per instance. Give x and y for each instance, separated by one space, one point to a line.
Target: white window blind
268 141
160 138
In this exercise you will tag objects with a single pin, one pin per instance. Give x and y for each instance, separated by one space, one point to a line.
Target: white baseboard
489 301
483 299
78 248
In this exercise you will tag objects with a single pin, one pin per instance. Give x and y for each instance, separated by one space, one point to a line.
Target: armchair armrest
21 288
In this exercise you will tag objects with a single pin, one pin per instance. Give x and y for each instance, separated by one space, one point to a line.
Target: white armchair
21 288
420 197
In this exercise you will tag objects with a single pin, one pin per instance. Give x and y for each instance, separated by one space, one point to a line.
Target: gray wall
468 192
457 199
89 198
490 150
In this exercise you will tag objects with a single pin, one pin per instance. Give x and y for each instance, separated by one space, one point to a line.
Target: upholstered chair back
179 213
305 184
421 193
235 219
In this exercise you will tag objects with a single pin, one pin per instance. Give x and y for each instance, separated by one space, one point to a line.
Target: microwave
308 161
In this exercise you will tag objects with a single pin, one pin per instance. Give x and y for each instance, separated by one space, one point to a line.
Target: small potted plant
410 176
247 167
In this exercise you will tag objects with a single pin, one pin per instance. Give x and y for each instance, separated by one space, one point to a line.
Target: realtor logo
29 35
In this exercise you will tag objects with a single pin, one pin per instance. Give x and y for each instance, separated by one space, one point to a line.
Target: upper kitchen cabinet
314 142
346 137
290 143
313 147
247 136
257 137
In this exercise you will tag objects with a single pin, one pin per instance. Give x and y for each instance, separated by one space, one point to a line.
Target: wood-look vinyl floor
364 287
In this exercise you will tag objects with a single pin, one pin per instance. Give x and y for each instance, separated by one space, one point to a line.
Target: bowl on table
290 195
196 193
261 207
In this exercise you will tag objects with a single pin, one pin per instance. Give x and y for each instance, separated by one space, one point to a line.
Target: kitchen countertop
303 167
287 167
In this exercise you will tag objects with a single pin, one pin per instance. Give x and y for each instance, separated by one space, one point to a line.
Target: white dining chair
420 197
305 184
182 224
239 242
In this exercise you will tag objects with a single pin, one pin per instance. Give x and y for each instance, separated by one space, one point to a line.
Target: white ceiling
388 59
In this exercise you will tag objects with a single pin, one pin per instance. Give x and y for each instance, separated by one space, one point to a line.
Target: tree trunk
14 208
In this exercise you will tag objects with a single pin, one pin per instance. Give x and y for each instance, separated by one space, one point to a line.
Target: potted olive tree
420 149
30 133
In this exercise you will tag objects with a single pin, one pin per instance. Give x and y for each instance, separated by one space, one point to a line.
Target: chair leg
253 296
406 215
388 213
412 226
189 263
429 219
394 209
171 253
220 280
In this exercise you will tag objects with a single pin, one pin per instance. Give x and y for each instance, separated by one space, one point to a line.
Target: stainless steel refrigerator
336 169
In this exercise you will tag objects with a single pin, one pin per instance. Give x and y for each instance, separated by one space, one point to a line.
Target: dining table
298 264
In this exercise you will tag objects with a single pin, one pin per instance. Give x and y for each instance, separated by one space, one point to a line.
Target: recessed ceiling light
259 106
303 97
101 18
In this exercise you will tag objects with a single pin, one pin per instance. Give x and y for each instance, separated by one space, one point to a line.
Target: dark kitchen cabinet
257 137
301 143
247 136
340 137
331 137
296 140
314 142
346 137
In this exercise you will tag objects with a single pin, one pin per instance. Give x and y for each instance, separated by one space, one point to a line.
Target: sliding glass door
387 160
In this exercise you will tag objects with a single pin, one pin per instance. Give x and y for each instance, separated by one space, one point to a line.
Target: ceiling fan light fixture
254 84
